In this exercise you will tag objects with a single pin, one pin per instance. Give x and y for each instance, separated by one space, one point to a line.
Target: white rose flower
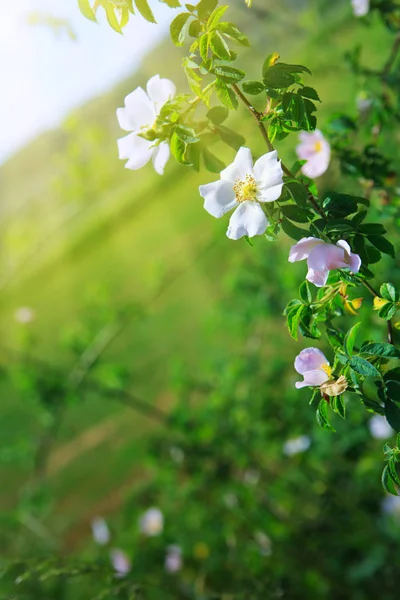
138 116
245 187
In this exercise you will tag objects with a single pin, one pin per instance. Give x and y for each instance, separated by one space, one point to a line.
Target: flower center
327 369
245 189
318 146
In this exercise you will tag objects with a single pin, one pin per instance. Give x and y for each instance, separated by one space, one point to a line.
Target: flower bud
334 388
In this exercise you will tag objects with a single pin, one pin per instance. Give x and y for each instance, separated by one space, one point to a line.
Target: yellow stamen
318 146
245 189
327 369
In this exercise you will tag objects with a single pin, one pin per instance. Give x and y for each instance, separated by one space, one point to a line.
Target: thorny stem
257 116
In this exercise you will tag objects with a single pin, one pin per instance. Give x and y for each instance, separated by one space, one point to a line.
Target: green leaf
194 28
309 92
388 291
215 17
340 205
350 338
292 231
292 68
382 349
217 114
372 229
233 32
211 162
382 244
172 3
203 46
387 311
228 74
298 192
186 134
178 149
388 483
296 214
363 367
231 137
305 292
253 87
322 416
218 46
112 18
177 28
86 10
293 320
145 10
205 8
338 406
226 95
392 413
277 79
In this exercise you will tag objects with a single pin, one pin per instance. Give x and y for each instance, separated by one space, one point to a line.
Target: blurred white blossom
173 559
120 561
316 151
151 523
380 428
264 542
101 533
251 477
230 500
296 445
360 7
177 454
391 505
24 315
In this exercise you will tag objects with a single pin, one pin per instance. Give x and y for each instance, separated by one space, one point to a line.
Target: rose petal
160 157
241 166
309 359
248 219
302 249
219 197
160 90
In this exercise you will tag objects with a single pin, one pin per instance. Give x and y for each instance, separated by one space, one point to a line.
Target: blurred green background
137 296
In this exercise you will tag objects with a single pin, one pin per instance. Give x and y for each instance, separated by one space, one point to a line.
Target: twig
258 117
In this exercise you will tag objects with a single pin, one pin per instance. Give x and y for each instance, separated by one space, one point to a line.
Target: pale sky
42 77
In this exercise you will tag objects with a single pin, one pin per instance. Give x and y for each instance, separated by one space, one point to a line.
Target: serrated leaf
217 114
392 413
298 192
305 292
218 46
363 367
309 92
322 416
178 149
186 134
177 28
253 87
382 349
216 16
230 137
388 291
86 10
292 230
382 244
226 95
112 18
205 8
388 483
145 10
228 74
212 163
350 338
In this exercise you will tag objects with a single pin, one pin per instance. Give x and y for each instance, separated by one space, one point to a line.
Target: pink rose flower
322 258
314 366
